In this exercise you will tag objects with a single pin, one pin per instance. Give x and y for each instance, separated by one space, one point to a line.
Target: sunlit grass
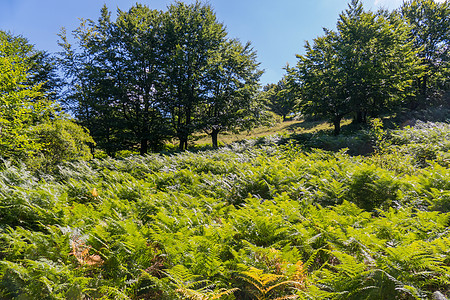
282 128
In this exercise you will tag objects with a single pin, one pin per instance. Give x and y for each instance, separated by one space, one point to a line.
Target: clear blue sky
277 29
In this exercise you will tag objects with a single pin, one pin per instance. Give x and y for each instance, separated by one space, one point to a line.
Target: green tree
44 72
90 86
232 103
61 140
41 66
149 76
192 37
139 32
32 128
115 78
321 85
22 104
430 27
281 99
366 67
377 60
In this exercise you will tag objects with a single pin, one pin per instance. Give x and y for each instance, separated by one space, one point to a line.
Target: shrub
61 140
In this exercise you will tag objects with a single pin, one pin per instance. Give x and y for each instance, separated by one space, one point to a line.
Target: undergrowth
255 220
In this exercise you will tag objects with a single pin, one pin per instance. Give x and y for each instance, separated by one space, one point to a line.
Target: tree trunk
337 125
214 135
92 149
359 117
186 131
424 87
183 144
144 146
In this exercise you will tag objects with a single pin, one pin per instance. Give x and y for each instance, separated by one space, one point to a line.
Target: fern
266 286
316 225
192 287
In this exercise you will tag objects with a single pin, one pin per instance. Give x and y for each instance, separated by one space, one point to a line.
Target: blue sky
277 29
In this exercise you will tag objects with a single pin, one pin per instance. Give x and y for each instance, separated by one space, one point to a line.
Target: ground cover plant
249 221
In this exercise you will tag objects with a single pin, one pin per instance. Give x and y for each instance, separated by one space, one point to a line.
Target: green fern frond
205 294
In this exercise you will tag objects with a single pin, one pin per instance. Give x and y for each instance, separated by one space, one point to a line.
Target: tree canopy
149 76
27 85
365 67
281 98
430 28
22 104
231 104
145 77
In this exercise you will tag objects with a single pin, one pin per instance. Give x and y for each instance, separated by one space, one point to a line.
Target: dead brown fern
81 252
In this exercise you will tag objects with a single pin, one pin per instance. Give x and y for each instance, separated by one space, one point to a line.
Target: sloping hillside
254 220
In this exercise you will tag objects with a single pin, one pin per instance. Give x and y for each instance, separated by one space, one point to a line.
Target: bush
61 140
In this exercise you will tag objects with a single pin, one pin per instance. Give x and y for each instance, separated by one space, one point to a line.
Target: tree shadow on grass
357 141
305 125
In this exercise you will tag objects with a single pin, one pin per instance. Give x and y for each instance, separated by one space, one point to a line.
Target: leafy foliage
22 105
32 129
254 220
280 97
430 26
150 76
364 68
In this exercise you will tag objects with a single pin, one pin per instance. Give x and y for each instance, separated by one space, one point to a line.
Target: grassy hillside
261 219
280 128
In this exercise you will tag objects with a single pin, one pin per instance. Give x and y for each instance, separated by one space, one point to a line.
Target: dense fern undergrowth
243 222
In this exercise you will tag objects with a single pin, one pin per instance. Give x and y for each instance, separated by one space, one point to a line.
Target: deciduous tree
192 37
32 128
430 27
281 98
22 104
231 103
115 78
376 59
366 67
322 86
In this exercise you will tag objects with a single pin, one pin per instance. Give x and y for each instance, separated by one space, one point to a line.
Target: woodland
106 191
